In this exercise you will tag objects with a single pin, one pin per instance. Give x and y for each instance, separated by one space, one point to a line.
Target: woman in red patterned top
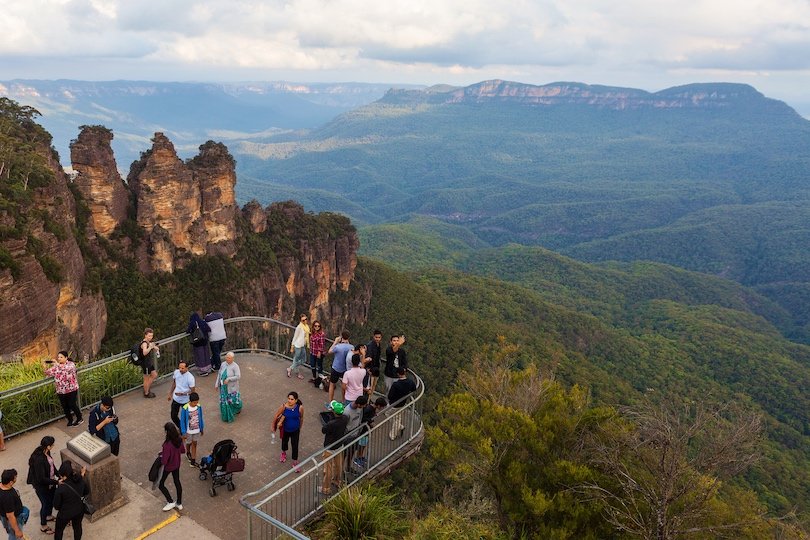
317 339
67 386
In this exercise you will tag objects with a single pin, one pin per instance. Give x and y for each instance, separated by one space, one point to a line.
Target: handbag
89 508
154 470
197 336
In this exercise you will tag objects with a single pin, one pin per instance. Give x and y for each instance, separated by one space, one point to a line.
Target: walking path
264 387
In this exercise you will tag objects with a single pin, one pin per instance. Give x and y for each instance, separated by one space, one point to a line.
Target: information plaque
89 447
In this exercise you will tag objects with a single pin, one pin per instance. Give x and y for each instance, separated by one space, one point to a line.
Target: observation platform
272 497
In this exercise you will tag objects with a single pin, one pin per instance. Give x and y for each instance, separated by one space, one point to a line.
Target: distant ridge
698 95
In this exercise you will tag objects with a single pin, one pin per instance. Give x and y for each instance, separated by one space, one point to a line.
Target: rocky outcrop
44 305
255 215
185 210
97 179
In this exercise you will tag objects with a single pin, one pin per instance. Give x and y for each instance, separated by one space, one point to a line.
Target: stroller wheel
212 491
203 475
231 487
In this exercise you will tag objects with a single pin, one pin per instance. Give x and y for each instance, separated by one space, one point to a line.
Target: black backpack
135 356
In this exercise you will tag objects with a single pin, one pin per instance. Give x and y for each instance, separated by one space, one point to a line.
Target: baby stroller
221 464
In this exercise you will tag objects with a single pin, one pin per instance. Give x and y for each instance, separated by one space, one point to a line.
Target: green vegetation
717 190
362 514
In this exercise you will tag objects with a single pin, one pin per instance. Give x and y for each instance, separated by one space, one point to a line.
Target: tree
664 467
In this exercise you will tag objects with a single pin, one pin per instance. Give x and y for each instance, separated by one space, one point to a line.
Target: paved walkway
264 387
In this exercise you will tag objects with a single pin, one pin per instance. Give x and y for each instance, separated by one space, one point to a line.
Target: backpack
135 356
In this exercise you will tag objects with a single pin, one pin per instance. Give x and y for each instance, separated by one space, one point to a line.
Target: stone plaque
89 447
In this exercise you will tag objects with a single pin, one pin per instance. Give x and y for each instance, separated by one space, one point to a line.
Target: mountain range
708 177
187 112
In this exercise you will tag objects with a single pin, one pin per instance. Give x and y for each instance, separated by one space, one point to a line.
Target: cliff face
185 210
708 95
97 179
46 307
317 256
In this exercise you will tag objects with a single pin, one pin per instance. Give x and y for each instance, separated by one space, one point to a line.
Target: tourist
341 348
42 476
369 413
354 412
199 330
333 431
289 420
230 401
68 500
395 358
13 514
374 352
149 352
170 457
182 386
396 397
216 338
67 386
317 346
104 424
299 347
352 382
192 426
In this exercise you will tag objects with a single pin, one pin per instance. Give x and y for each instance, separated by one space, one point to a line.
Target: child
192 426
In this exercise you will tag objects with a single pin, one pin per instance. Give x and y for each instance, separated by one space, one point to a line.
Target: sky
650 45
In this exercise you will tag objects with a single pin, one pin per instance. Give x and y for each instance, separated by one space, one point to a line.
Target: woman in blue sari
230 401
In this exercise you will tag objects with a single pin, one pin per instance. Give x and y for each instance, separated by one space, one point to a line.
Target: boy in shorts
192 426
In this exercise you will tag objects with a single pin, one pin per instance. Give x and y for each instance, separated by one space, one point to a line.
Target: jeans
177 487
316 364
76 523
216 351
291 437
45 495
299 358
70 405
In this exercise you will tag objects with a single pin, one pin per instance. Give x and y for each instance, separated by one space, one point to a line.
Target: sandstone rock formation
98 179
185 210
47 307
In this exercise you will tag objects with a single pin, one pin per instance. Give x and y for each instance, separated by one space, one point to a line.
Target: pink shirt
353 379
65 377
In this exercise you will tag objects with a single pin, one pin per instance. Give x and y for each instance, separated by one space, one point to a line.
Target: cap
337 407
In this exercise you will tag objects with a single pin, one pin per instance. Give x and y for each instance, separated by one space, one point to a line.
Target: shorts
375 371
363 441
335 376
147 367
192 437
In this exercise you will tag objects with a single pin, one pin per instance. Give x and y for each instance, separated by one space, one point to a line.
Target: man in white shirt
182 387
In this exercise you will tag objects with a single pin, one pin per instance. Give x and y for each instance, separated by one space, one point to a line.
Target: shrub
362 513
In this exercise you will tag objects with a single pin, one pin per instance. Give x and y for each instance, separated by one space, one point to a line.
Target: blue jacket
184 418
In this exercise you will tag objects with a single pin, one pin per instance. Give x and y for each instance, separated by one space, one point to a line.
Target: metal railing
35 404
293 498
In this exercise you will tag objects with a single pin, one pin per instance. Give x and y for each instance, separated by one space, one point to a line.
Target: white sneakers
169 506
179 507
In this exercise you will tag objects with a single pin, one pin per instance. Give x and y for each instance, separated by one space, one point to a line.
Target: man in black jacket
333 431
396 397
374 351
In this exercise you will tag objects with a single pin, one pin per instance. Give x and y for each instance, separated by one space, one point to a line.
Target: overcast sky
643 44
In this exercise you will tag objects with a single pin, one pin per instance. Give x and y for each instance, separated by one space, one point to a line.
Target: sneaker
169 506
300 376
283 457
205 374
357 463
70 423
295 466
79 421
179 506
289 372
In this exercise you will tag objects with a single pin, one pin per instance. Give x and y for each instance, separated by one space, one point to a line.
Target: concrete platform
264 387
